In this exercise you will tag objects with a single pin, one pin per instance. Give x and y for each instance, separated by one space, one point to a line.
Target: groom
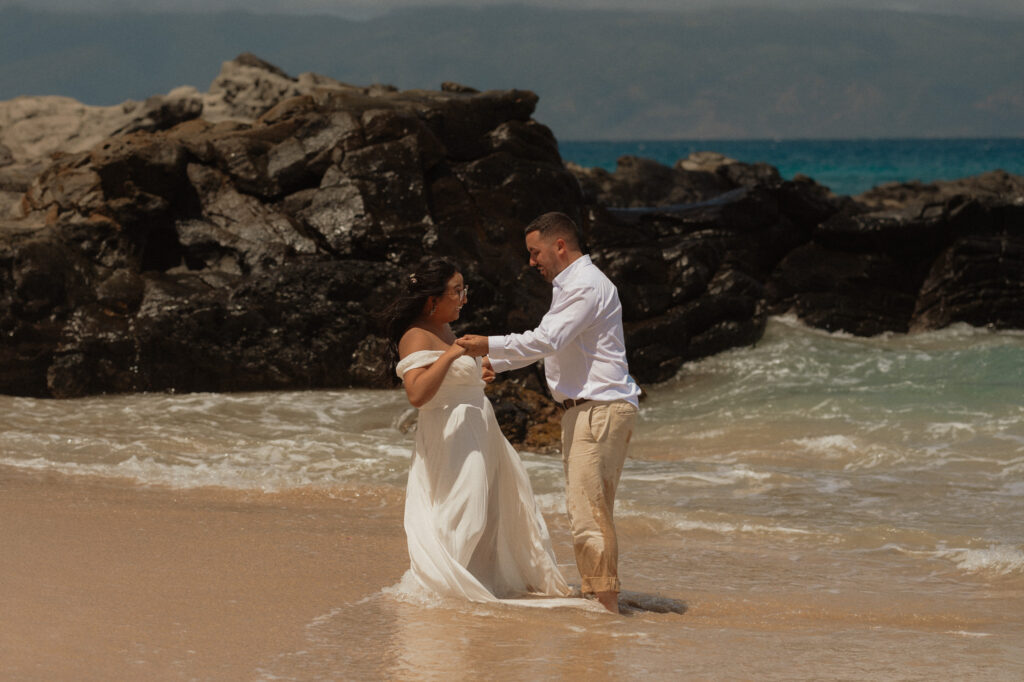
581 342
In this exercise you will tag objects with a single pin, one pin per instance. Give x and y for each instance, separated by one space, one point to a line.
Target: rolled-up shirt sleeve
571 311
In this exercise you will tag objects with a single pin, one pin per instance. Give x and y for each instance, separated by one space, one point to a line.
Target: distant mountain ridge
599 74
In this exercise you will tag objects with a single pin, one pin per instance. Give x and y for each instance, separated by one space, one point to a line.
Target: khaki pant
594 440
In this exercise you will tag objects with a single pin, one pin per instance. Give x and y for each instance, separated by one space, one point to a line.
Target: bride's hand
456 351
475 345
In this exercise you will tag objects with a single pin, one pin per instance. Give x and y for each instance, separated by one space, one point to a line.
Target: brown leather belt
573 403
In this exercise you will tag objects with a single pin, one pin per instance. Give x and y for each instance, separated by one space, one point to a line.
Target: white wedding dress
473 527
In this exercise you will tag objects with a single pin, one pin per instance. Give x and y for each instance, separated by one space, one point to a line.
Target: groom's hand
474 344
487 372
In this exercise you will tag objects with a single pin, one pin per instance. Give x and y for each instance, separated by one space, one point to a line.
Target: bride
473 527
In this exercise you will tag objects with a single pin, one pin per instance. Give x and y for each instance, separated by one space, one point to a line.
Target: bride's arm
421 383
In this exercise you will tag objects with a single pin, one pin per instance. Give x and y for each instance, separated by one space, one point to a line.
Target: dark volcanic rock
232 255
704 250
692 276
978 280
527 416
922 258
996 185
642 183
860 293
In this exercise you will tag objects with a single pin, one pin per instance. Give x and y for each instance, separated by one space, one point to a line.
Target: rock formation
233 255
911 257
244 238
701 275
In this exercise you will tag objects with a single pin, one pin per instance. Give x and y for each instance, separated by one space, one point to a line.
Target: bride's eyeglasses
461 293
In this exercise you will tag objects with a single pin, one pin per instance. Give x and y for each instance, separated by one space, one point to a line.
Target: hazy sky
737 75
363 8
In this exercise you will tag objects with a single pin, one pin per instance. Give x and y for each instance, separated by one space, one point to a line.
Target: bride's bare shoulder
417 338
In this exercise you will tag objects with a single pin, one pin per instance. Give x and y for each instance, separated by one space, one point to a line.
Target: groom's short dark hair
557 225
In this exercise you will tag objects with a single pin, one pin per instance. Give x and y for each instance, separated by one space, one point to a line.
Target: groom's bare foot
609 600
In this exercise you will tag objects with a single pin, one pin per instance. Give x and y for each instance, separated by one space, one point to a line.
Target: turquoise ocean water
845 166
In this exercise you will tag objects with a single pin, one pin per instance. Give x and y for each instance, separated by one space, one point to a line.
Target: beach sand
109 580
103 580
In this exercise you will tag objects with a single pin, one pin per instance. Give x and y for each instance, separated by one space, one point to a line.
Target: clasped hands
476 346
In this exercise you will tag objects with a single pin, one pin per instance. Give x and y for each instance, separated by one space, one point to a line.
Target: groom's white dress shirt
580 339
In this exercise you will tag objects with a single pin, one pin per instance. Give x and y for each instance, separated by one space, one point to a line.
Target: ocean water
859 499
845 166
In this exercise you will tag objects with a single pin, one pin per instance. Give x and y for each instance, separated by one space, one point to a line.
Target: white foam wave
829 446
551 503
684 523
705 435
728 476
960 331
1014 489
540 464
272 476
857 453
269 442
831 486
997 559
724 528
554 504
409 590
950 429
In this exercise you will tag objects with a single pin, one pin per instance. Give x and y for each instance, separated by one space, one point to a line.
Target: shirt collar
565 275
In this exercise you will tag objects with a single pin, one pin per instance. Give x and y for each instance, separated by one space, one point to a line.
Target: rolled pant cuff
593 585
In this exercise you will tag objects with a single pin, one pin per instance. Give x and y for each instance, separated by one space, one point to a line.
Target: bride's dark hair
429 278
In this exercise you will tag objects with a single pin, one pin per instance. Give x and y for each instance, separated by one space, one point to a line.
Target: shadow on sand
638 602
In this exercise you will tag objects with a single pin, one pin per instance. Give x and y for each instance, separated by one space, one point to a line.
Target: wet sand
103 580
